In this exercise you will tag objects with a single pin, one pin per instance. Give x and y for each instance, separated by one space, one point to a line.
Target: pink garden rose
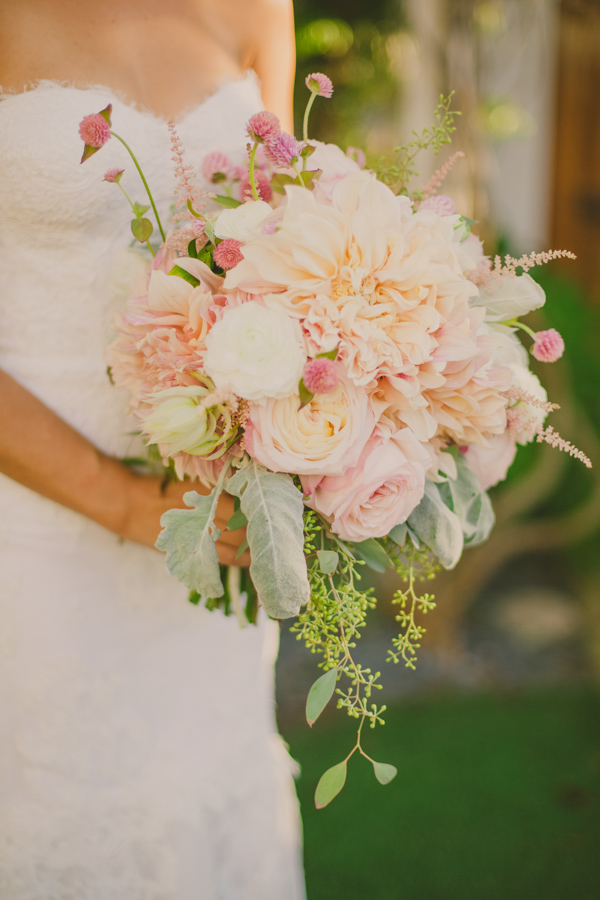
368 500
491 464
325 437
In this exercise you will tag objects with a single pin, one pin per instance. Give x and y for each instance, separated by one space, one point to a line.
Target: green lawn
497 796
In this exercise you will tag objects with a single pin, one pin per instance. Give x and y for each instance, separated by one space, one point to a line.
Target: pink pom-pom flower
113 175
94 130
263 127
216 167
319 84
282 151
548 345
228 254
320 375
441 204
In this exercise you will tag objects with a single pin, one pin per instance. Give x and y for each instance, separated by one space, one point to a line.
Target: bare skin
167 59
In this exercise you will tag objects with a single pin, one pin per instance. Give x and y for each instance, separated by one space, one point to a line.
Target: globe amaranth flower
283 150
320 375
263 127
548 346
228 253
319 84
217 167
113 175
94 131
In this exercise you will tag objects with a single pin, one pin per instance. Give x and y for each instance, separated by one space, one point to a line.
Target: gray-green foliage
453 513
273 507
188 538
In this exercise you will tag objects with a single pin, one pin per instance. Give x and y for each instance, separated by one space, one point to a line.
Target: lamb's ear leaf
189 537
274 509
330 784
319 695
438 527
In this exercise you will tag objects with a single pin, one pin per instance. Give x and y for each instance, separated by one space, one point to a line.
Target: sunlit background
497 733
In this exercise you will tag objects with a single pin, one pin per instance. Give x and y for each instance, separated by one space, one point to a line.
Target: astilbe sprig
189 200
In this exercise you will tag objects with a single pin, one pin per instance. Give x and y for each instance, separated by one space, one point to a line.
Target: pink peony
113 175
216 167
440 204
321 376
228 253
377 494
548 346
263 127
94 130
282 151
319 84
492 463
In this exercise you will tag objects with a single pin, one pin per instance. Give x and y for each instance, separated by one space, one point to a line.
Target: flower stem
150 197
514 323
311 100
251 174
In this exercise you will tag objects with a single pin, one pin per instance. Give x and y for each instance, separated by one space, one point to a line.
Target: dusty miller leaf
438 527
273 506
188 538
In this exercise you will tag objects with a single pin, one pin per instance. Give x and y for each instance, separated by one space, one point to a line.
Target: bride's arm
41 451
274 57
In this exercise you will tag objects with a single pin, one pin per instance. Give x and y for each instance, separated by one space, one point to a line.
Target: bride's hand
147 502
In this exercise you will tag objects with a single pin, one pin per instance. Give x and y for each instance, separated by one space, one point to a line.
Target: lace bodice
138 753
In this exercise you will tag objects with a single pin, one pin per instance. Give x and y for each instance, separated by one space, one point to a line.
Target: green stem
300 176
307 113
150 197
514 323
251 174
129 200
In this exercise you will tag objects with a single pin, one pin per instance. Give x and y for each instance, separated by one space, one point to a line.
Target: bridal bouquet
337 353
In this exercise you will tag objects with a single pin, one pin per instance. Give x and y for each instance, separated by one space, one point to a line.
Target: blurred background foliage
496 734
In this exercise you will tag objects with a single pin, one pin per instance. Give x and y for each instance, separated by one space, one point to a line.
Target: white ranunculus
257 352
509 297
244 222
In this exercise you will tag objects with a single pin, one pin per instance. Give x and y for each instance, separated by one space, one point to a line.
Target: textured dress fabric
139 758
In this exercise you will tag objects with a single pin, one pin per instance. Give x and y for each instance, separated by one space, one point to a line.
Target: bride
139 758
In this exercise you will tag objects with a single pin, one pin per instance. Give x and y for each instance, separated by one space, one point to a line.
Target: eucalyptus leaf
328 561
373 554
438 527
209 230
384 772
330 784
319 695
243 546
188 538
274 508
228 202
142 229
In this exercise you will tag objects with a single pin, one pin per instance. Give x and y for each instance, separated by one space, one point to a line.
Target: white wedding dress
139 758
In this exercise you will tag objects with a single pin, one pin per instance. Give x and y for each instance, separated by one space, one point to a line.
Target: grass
497 796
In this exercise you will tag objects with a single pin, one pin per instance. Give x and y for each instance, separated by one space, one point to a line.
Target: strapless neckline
114 96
